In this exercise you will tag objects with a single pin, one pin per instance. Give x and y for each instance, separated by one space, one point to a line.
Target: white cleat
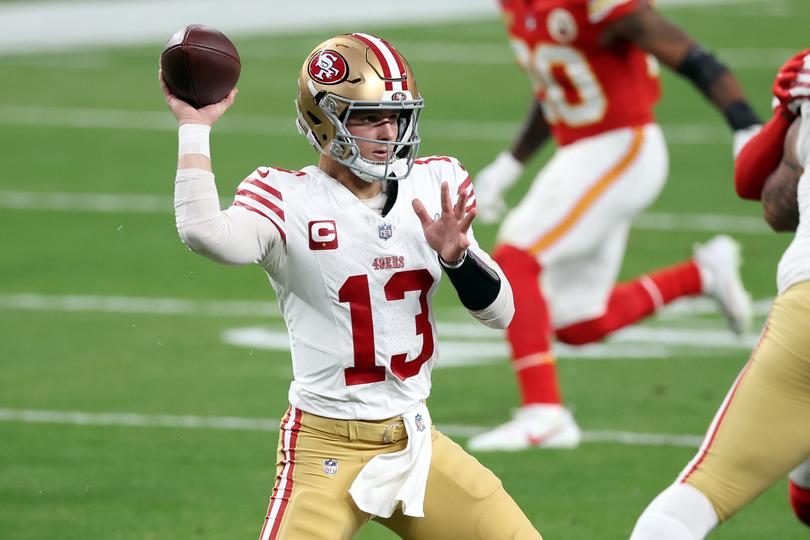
719 263
544 426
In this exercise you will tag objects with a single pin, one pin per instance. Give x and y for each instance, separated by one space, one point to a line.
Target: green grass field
107 312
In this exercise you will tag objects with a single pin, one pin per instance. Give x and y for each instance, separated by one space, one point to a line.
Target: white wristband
455 264
742 136
193 139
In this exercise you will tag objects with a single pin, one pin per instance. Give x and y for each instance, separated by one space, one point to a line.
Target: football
200 65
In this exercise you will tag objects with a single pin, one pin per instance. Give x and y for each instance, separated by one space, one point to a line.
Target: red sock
800 501
530 331
635 300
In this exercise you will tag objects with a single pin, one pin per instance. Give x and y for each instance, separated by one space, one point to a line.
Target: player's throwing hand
186 114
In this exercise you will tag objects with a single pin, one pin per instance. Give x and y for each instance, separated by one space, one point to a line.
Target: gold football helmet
358 72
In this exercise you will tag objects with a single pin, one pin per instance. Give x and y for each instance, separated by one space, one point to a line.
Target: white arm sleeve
233 236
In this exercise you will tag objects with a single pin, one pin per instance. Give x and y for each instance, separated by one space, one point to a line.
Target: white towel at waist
388 479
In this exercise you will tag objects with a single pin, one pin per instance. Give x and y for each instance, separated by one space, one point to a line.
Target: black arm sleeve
740 115
476 283
703 69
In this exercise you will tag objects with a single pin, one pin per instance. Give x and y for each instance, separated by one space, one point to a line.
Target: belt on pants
386 431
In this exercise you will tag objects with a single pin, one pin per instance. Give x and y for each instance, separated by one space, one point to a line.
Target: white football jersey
354 287
795 263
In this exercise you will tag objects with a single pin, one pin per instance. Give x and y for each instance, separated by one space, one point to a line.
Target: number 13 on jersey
355 292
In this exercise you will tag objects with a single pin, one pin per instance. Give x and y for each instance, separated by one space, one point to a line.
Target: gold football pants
762 430
319 458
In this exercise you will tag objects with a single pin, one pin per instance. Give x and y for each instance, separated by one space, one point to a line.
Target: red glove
792 84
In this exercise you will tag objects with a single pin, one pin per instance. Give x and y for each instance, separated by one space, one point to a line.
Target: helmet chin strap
375 172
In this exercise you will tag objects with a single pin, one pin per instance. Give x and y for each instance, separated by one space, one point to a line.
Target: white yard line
474 346
83 24
139 420
687 307
91 24
87 202
76 418
183 306
499 53
462 344
701 3
660 221
129 304
642 439
439 52
162 204
481 350
283 126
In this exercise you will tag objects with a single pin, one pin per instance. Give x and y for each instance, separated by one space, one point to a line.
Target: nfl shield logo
385 230
420 426
330 466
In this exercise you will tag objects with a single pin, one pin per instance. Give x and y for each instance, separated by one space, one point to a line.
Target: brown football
200 65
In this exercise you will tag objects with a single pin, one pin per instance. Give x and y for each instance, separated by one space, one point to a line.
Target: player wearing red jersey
593 66
762 430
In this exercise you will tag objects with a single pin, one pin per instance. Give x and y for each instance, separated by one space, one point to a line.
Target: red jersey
584 88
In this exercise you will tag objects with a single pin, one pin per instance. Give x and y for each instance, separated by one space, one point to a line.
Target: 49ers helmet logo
328 67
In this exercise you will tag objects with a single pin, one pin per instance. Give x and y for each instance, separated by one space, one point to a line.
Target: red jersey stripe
261 200
288 171
465 184
263 185
267 217
425 161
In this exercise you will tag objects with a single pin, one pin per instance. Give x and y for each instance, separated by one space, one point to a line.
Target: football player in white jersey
355 247
762 430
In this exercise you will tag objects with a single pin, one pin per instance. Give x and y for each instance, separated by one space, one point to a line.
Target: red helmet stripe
378 53
389 60
398 60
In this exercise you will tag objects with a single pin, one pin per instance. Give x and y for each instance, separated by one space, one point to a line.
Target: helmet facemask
344 147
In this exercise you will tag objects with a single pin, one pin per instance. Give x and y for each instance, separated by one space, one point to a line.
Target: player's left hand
791 87
491 183
447 234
